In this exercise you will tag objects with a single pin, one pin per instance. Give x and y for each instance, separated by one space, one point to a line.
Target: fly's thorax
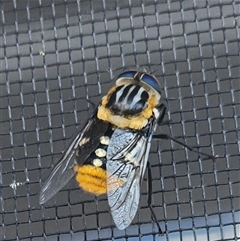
128 100
156 113
129 104
150 90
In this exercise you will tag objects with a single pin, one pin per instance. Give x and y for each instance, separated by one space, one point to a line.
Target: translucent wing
86 141
127 157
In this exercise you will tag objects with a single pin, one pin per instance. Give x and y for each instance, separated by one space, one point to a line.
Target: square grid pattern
56 55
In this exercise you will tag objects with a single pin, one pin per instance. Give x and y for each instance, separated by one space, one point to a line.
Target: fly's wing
127 157
86 141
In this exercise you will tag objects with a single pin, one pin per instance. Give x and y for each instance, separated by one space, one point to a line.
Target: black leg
162 110
165 122
91 103
149 183
167 137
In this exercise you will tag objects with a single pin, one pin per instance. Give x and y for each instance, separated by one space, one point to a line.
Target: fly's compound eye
127 74
142 76
150 80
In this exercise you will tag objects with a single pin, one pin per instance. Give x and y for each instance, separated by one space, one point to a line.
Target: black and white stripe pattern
128 99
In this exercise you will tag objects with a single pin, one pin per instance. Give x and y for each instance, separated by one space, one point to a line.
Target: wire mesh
57 54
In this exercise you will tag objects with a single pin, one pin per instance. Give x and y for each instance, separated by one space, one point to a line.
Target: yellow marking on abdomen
91 179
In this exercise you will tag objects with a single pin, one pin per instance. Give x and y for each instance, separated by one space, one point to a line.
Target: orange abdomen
92 179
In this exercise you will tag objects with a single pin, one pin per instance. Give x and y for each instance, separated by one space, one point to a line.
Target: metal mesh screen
56 54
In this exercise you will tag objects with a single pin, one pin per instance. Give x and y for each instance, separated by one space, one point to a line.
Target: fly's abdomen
92 179
91 176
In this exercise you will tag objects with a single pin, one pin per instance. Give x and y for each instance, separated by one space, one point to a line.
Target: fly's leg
162 110
167 137
91 103
149 200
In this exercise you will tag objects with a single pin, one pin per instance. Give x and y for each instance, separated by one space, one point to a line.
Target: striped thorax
131 102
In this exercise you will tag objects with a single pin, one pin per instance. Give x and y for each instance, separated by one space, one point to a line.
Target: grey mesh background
56 54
